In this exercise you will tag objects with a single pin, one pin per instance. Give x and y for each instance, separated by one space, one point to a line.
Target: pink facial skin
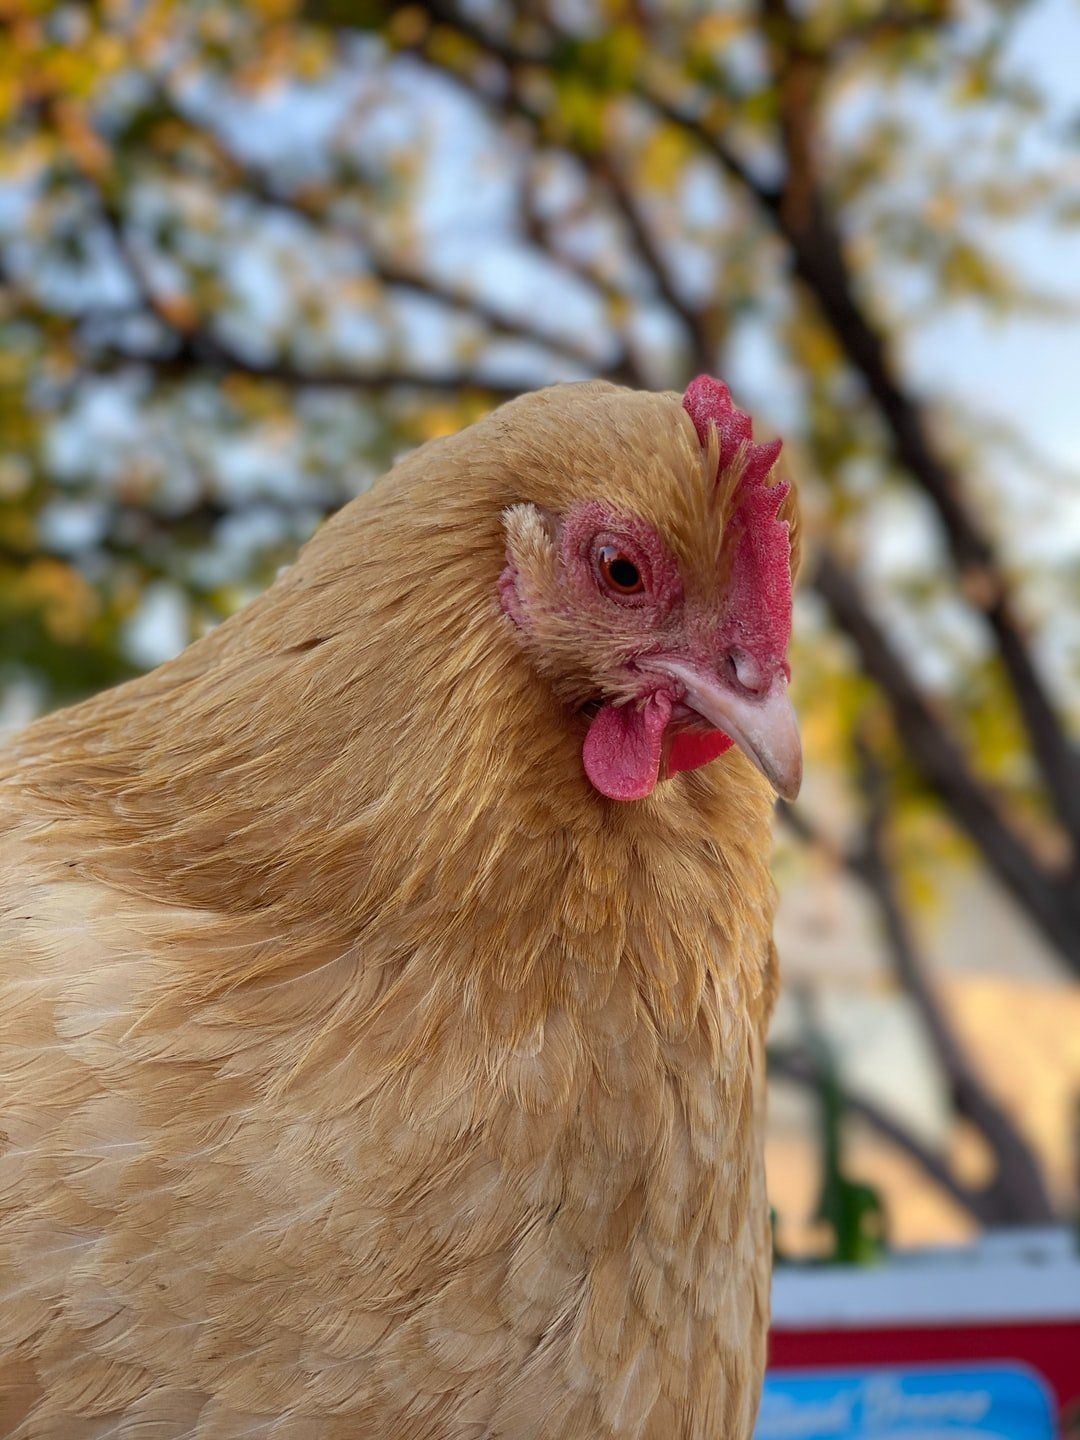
678 667
629 746
624 749
587 528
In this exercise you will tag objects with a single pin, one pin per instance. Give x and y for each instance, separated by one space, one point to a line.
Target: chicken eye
619 571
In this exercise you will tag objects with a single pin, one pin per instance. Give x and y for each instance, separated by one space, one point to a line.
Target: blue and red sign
919 1403
981 1343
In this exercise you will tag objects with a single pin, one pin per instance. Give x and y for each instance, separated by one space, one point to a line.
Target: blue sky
1020 370
1029 369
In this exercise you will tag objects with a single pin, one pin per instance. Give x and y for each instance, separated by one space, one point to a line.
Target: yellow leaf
662 159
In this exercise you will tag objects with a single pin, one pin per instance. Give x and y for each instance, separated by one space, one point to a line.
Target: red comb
760 586
708 399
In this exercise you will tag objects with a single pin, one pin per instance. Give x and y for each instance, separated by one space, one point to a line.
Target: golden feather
364 1073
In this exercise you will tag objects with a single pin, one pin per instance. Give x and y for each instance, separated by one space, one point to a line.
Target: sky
1020 370
1028 369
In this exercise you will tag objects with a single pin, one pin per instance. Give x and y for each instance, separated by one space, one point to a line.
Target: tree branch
795 1065
693 321
1018 1187
1051 900
199 352
803 218
394 275
1018 1193
542 233
797 211
604 168
819 263
198 349
890 22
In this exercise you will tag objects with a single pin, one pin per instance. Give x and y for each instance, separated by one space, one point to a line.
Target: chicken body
364 1072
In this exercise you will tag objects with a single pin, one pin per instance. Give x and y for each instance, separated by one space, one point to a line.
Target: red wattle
694 747
623 747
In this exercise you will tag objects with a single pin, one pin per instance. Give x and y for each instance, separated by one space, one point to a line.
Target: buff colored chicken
383 981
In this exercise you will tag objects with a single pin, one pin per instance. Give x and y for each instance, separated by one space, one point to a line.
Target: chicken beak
762 726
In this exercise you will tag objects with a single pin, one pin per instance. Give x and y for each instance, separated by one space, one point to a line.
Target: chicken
383 981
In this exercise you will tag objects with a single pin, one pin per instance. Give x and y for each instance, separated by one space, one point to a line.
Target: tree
232 291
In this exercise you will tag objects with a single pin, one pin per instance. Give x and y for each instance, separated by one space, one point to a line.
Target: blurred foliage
250 251
851 1210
